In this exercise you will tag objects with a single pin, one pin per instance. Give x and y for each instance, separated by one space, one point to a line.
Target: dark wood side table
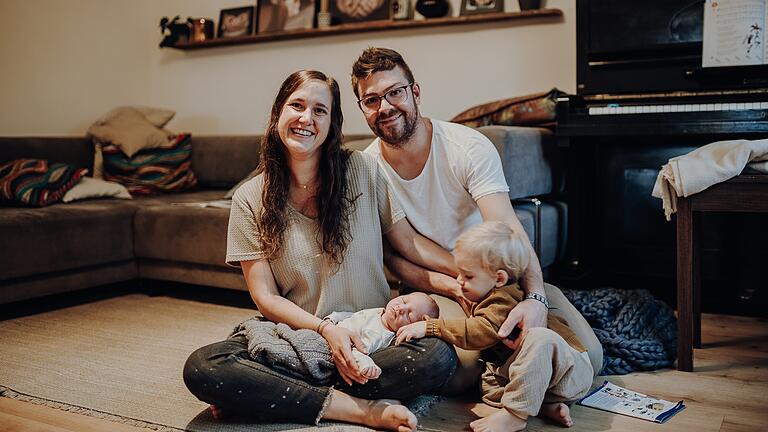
745 193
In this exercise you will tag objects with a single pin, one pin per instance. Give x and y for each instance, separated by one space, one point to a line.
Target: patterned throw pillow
153 170
36 182
534 109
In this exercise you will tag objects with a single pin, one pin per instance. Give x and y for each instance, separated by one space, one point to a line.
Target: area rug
121 359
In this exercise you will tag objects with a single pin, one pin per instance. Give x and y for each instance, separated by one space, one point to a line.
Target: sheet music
734 33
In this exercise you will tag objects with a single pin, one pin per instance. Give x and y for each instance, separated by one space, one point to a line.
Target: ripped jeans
223 374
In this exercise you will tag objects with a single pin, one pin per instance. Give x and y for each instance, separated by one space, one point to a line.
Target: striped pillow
36 182
152 170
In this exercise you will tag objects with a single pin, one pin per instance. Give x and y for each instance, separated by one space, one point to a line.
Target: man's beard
396 136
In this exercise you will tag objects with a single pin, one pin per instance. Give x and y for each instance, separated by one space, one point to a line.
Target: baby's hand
415 330
371 371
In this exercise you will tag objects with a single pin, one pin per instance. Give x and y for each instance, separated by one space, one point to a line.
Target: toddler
549 366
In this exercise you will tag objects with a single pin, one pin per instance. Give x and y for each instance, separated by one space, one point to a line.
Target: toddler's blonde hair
497 246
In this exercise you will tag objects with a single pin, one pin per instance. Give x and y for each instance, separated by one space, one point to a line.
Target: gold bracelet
323 324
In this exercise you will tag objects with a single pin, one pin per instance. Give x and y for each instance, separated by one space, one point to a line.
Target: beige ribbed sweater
303 274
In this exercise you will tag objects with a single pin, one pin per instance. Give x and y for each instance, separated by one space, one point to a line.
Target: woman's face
305 119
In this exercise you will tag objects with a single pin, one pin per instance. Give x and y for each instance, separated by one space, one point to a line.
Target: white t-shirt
441 202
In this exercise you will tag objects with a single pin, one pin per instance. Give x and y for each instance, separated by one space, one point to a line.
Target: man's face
394 124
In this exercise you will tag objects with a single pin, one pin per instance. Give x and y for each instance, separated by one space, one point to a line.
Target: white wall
63 63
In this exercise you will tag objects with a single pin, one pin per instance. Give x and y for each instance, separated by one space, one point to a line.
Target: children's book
610 397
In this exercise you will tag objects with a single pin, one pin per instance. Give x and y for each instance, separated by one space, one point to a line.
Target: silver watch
537 296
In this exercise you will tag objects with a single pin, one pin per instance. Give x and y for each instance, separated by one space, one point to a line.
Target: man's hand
527 314
340 341
415 330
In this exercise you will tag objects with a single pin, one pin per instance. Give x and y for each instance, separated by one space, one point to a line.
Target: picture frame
286 15
355 11
236 22
474 7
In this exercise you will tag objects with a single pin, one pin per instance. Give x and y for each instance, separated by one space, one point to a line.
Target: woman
307 233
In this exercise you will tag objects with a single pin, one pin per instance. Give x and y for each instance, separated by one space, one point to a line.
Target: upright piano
642 98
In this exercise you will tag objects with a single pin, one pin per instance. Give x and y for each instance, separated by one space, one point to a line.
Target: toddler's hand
415 330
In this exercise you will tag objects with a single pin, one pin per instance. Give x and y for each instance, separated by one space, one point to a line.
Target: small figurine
174 31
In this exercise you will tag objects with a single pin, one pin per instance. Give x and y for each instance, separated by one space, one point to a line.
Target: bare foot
391 415
500 421
217 413
558 412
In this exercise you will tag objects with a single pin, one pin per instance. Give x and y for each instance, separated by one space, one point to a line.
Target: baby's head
407 309
489 255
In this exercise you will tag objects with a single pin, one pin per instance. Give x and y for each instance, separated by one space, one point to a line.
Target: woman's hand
340 341
415 330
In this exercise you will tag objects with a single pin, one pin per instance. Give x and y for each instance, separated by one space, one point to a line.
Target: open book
610 397
734 33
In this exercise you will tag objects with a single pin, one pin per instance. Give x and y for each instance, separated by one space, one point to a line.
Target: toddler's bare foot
558 412
217 413
391 415
500 421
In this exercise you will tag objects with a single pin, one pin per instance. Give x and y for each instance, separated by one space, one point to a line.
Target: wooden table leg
684 286
696 278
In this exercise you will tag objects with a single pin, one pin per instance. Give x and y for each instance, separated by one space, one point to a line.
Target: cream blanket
708 165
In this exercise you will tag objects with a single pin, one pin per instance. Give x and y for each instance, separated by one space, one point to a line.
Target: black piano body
642 98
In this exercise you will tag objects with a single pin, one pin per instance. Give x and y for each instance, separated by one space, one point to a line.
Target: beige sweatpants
545 369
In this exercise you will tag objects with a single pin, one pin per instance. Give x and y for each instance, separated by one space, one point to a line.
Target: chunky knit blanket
638 332
299 353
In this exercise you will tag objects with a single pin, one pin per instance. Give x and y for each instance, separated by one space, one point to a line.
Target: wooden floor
726 392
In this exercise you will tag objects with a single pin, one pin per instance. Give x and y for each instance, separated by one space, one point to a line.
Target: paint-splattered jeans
223 374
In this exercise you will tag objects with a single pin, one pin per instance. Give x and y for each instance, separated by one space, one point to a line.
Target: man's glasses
395 96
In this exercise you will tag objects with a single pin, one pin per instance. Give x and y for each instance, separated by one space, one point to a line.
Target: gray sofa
66 247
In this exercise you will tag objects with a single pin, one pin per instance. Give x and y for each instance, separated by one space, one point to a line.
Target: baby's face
404 310
475 281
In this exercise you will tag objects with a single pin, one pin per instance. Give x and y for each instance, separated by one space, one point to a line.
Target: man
447 177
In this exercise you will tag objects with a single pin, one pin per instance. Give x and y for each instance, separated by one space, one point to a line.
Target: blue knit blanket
637 331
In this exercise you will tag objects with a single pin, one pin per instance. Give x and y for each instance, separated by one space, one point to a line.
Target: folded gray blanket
299 353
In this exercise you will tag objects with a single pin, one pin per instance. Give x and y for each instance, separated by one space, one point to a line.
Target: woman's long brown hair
333 204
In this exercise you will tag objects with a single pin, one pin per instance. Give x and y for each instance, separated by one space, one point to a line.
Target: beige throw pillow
132 129
94 188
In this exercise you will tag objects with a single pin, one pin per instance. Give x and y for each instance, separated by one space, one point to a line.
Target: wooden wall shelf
370 27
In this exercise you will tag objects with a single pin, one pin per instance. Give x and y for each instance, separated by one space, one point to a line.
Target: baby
377 327
550 365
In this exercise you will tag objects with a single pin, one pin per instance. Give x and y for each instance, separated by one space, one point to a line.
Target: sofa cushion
528 158
36 182
180 233
222 161
155 170
533 109
65 236
75 151
132 129
89 187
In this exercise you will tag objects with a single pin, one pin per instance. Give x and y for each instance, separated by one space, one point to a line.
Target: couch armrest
527 157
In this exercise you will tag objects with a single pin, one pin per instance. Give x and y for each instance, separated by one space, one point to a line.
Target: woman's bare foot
380 414
391 415
217 413
558 412
500 421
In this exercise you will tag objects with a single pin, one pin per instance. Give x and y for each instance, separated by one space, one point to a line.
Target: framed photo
351 11
236 22
472 7
282 15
